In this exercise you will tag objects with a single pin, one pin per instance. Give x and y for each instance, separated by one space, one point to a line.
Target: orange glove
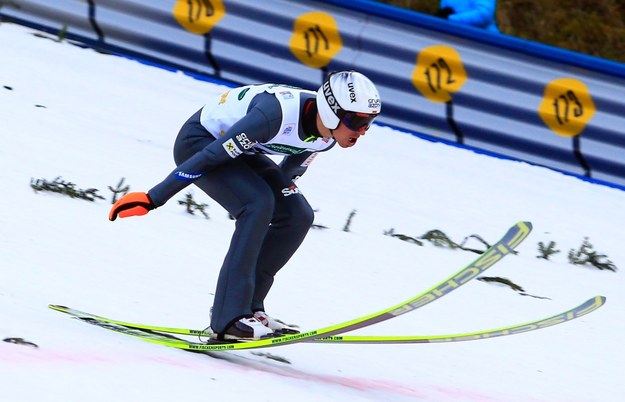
132 204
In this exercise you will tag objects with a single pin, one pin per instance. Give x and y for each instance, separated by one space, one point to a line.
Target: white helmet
344 92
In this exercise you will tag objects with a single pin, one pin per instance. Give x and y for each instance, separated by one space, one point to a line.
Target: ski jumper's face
347 137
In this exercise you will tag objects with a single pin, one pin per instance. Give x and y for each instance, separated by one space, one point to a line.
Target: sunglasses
356 121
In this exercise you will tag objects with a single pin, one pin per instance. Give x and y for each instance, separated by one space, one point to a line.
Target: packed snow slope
92 119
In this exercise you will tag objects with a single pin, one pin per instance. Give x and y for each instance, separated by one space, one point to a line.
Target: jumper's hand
132 204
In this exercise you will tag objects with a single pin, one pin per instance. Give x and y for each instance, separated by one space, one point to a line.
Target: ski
588 306
149 333
82 315
515 235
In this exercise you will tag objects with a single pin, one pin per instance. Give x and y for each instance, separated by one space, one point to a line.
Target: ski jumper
223 150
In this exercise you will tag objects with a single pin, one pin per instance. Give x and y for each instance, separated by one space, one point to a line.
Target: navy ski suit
223 150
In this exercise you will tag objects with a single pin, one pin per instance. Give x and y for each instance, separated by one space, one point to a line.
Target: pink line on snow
28 355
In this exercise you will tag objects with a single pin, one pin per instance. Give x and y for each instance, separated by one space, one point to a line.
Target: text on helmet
327 92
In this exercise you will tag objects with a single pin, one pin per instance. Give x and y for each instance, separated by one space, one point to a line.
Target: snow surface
93 119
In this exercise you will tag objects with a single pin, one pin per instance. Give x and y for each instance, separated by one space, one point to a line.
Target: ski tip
527 224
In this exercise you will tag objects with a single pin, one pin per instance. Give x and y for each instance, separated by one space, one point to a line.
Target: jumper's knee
298 217
306 215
